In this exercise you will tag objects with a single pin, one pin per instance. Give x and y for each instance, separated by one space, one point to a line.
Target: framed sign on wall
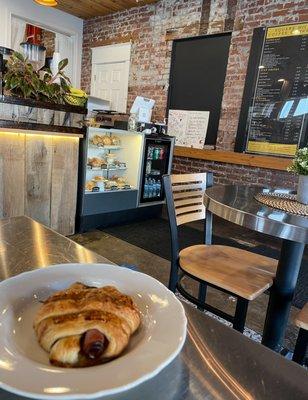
274 110
188 127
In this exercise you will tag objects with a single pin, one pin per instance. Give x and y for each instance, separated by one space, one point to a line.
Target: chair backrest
186 192
184 198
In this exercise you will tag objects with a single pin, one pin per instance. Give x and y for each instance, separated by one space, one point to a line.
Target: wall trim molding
230 157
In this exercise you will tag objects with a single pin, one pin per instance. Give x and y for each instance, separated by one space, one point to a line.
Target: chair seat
238 271
301 319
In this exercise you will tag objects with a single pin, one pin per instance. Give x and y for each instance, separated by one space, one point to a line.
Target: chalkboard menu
276 122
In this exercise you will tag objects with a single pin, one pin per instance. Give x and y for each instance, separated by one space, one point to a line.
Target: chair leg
202 294
173 278
240 314
300 346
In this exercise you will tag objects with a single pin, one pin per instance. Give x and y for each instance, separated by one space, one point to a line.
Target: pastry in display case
96 162
105 141
112 155
90 185
120 175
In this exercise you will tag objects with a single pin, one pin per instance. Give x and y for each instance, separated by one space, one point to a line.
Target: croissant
83 326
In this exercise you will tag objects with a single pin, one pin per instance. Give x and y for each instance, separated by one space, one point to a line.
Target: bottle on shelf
154 187
158 188
132 122
151 188
148 167
150 153
146 189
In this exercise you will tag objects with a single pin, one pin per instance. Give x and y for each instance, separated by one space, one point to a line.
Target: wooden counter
38 178
39 150
230 157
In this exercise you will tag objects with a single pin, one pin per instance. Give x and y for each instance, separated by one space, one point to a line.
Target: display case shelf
93 146
110 191
96 169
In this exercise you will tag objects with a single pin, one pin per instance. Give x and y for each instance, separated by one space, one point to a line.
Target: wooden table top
26 245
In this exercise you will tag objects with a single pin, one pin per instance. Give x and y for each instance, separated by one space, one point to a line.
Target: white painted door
110 72
109 82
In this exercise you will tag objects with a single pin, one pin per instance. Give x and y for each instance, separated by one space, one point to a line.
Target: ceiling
94 8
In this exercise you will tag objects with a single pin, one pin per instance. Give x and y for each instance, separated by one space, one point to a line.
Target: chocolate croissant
83 326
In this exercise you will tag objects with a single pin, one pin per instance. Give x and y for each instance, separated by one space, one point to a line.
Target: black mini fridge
157 160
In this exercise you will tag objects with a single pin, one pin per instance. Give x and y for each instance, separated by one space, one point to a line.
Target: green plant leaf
19 56
64 85
22 80
62 64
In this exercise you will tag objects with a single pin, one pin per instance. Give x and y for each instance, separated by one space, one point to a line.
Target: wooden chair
302 340
240 273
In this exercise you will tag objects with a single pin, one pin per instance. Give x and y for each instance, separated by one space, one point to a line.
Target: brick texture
236 174
147 28
151 30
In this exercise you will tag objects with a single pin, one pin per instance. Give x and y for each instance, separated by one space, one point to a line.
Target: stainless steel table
216 361
237 204
26 245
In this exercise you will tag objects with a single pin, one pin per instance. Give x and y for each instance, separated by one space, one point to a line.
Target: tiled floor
121 252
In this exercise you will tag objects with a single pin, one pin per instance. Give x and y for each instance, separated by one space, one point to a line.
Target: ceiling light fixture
47 3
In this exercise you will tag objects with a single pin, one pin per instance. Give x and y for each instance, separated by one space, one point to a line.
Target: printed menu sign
278 117
188 127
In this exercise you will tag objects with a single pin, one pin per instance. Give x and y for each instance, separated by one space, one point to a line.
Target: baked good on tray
99 178
96 162
90 185
84 326
99 140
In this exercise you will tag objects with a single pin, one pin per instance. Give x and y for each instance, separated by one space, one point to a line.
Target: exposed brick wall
146 27
236 174
152 28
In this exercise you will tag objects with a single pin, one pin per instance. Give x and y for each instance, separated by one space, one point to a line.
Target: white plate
24 366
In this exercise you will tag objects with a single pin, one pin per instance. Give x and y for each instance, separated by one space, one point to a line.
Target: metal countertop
216 361
236 203
26 245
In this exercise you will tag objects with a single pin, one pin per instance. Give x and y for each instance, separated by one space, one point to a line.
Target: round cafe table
237 204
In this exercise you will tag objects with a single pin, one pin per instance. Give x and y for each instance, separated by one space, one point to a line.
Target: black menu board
277 118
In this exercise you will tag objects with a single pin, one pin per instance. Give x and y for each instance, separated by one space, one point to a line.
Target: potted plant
22 80
300 167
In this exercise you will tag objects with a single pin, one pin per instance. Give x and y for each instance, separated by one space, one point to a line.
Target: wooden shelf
230 157
44 132
43 104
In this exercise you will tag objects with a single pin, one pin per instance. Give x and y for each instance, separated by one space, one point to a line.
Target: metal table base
237 204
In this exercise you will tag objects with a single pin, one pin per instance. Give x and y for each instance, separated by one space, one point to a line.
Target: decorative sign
277 120
188 127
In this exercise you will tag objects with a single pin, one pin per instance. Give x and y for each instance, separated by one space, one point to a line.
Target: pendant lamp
47 3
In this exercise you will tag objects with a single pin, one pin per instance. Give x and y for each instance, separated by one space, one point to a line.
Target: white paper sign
188 127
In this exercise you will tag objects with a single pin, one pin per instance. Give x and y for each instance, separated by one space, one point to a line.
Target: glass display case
120 176
113 160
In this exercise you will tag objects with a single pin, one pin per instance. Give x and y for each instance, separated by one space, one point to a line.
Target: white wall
45 17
